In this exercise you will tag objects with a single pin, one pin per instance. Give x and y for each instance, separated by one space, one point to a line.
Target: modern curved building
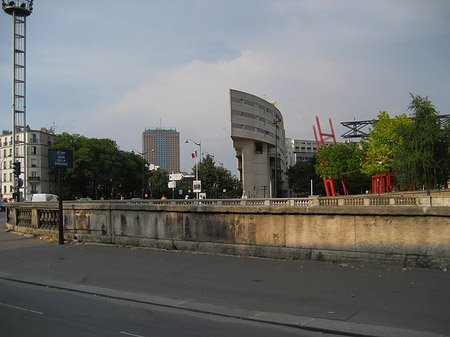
257 131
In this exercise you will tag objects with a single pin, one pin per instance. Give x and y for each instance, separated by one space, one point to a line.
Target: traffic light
16 168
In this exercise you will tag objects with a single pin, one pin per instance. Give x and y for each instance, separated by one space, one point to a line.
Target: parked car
2 206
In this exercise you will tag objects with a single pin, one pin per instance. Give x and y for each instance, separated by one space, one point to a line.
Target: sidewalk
359 299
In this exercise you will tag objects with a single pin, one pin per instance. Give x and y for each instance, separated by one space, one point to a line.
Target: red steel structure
381 183
320 143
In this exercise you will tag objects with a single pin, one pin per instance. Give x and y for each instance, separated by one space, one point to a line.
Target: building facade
301 150
258 135
161 148
35 171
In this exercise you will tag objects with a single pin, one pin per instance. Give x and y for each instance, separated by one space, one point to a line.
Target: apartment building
35 173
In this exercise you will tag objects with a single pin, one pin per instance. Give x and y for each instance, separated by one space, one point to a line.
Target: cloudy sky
111 68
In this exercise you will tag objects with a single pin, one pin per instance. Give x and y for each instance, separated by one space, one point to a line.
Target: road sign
176 176
61 158
197 186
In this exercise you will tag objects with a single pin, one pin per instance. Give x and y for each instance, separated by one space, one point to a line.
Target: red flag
193 155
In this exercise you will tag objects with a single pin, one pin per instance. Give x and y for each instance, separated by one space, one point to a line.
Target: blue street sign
61 158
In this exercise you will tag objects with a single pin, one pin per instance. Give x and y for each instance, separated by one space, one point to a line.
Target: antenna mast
19 10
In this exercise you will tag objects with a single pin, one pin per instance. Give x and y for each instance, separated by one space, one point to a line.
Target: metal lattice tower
19 10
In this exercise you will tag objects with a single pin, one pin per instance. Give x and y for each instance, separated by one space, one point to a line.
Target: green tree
344 162
159 183
217 181
382 141
300 176
423 156
100 169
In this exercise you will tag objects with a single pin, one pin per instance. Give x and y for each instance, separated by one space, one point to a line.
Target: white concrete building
35 173
258 135
301 150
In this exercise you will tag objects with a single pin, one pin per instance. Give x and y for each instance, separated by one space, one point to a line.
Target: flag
194 154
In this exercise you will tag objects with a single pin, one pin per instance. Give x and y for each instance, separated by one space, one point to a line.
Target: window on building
258 148
33 150
33 163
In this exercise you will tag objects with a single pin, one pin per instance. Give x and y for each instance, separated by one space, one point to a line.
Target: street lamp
143 168
275 122
199 144
213 158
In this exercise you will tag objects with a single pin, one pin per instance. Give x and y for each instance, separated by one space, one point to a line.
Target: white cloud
342 60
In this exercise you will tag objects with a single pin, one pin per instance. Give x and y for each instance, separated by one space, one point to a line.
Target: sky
112 68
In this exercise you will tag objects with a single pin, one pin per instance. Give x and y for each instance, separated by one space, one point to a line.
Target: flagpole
199 144
196 172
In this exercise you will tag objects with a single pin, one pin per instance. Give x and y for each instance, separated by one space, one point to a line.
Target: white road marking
23 309
130 334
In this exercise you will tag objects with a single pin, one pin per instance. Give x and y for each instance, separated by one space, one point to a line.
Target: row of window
34 189
253 128
303 148
33 164
6 153
8 140
33 177
253 116
256 105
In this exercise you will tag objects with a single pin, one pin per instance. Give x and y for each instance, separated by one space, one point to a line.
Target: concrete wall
406 235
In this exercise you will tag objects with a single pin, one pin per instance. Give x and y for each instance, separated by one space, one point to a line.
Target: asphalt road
30 310
217 292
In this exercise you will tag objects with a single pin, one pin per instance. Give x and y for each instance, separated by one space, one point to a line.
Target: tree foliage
383 140
159 184
300 176
423 156
100 169
416 149
343 162
217 181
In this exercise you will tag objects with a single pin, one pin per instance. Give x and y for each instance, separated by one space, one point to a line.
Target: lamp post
213 158
275 122
143 167
199 144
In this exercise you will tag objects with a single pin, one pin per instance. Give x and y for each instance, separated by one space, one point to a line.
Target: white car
44 197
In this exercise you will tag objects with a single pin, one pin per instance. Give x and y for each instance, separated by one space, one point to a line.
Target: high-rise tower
161 147
19 10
